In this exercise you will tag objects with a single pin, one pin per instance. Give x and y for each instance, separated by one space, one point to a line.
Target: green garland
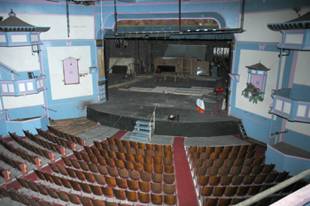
252 93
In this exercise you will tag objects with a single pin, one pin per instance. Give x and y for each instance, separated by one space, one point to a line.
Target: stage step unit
143 131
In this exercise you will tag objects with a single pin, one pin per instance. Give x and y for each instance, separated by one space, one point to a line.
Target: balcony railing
21 87
290 106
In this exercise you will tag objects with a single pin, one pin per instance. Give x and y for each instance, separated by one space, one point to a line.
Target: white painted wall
270 60
255 25
302 73
81 26
23 101
55 66
303 128
20 59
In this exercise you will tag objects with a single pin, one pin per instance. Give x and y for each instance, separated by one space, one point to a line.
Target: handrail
152 120
274 189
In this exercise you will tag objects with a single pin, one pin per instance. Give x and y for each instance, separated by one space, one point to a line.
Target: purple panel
71 71
258 81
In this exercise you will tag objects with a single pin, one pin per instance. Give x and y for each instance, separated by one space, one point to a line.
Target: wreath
252 93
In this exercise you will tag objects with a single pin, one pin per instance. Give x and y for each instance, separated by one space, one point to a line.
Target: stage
137 101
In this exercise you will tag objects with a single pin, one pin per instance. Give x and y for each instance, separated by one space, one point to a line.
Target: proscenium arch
109 22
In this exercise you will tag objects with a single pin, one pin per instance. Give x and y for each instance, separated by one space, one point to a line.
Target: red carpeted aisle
185 186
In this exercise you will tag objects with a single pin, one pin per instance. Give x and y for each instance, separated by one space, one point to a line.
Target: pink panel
257 81
71 71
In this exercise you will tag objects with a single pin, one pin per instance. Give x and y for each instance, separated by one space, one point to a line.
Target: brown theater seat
121 183
96 202
210 201
218 191
144 197
123 173
223 201
66 183
74 198
107 191
131 196
100 179
96 190
144 186
111 181
230 191
75 185
170 199
119 194
135 175
133 184
63 196
157 199
169 178
156 187
206 191
86 188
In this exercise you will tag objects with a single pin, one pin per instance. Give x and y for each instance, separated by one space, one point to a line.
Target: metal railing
152 120
274 189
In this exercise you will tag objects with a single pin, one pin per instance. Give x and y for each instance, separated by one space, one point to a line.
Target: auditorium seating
58 140
20 152
67 136
45 144
14 163
127 171
22 198
119 172
230 174
31 147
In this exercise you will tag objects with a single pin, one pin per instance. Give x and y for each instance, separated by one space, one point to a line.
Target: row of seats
155 164
20 152
46 144
24 199
230 181
249 179
40 151
223 152
229 162
227 175
130 182
14 163
133 147
212 201
58 140
234 170
230 191
109 191
147 153
64 135
167 178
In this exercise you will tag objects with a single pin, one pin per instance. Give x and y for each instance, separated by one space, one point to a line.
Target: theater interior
154 102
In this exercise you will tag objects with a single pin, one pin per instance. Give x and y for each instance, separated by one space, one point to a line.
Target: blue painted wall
61 108
298 140
286 163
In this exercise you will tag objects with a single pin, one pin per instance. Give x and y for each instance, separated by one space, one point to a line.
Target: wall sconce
35 48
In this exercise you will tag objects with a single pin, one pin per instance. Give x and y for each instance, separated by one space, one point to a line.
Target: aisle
184 182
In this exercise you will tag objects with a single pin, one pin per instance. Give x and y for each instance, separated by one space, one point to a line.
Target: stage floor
137 102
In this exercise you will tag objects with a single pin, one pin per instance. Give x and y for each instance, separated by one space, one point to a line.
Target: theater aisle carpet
184 182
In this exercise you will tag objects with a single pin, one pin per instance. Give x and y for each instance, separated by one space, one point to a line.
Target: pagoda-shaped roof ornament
15 24
302 22
258 67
